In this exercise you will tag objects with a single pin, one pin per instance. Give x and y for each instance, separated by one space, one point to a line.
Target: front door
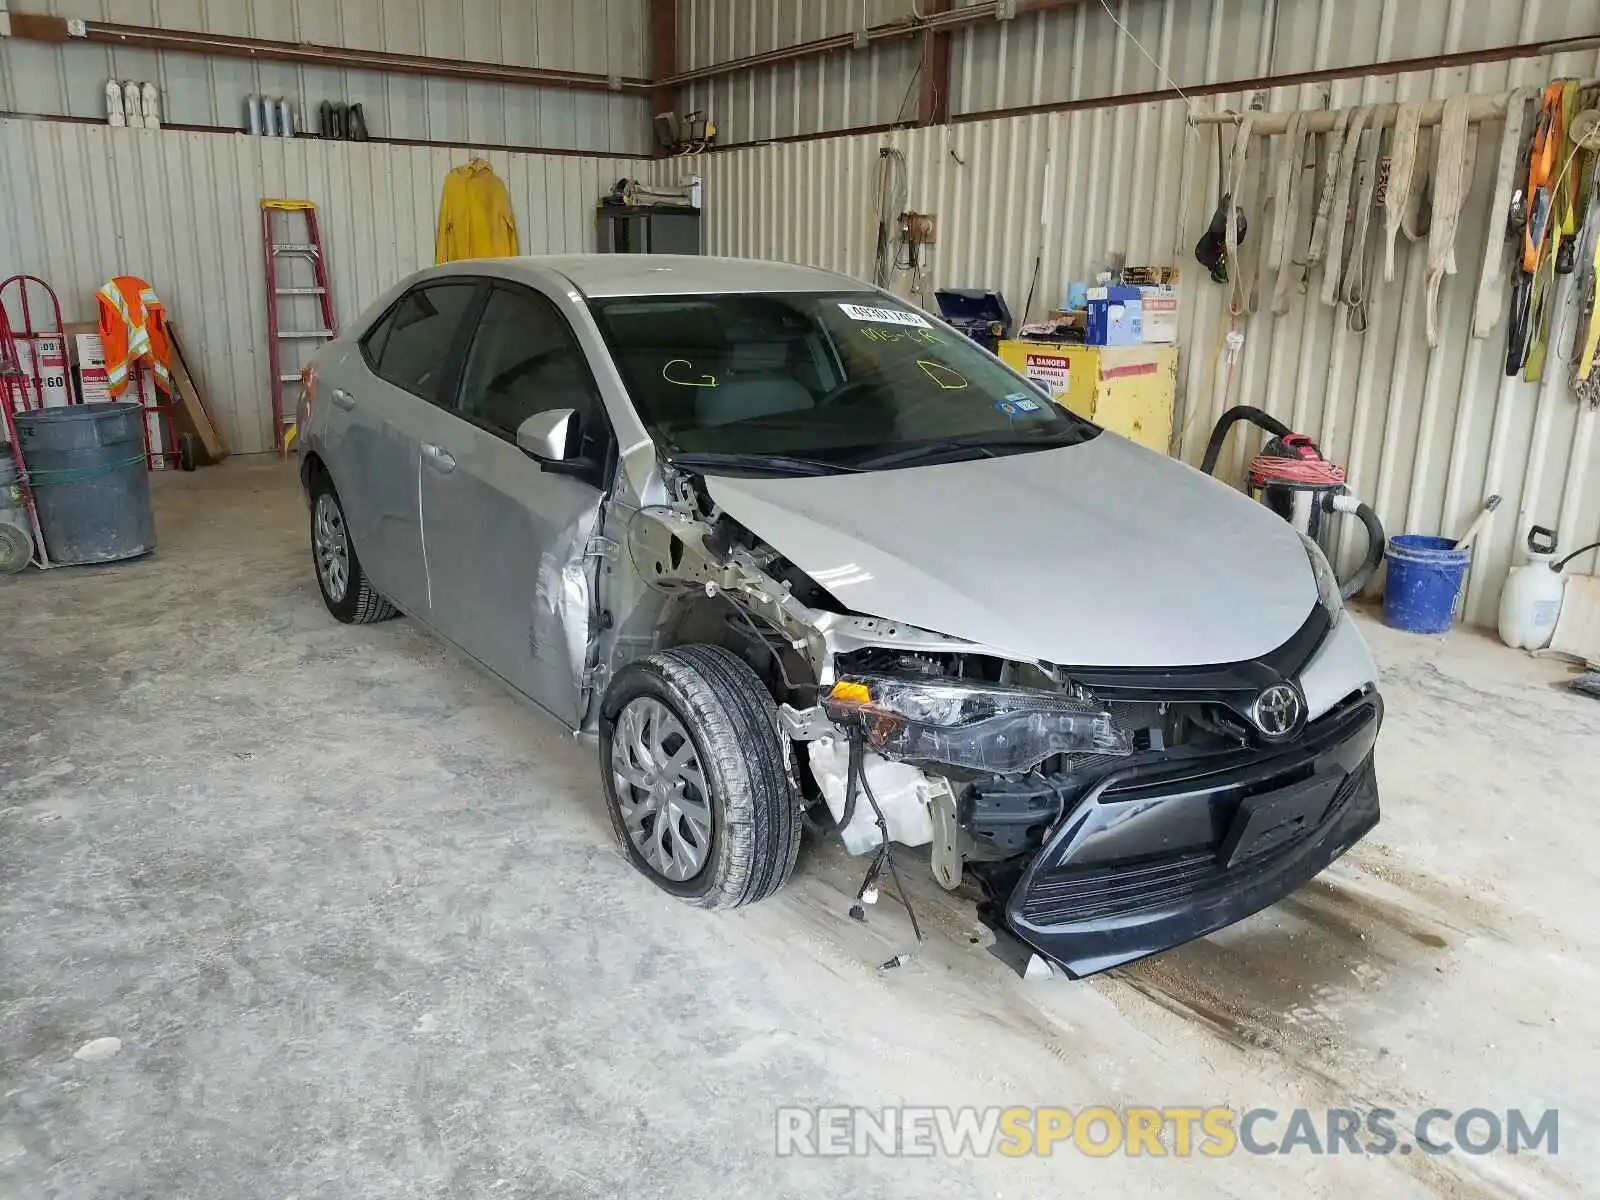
379 398
506 534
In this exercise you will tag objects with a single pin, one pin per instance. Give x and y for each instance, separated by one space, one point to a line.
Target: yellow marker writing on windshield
705 381
947 378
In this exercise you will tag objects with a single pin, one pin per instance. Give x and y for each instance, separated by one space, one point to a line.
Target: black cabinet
640 229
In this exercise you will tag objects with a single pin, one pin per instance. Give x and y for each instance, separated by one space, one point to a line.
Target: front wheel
696 778
340 579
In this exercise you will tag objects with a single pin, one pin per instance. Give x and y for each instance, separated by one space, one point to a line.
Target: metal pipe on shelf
47 28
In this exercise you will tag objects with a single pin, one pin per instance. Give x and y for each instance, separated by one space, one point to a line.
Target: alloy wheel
661 789
331 547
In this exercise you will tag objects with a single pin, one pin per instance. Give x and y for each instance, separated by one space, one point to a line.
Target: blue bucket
1425 577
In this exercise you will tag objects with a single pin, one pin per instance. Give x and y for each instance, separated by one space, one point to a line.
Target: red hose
1267 469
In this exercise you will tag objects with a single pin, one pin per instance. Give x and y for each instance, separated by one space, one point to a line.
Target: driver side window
524 360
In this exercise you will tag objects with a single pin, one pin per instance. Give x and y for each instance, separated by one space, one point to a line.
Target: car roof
684 274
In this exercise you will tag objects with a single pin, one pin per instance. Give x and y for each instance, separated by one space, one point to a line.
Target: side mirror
546 435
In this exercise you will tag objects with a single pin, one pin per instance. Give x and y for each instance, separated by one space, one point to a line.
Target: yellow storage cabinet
1131 390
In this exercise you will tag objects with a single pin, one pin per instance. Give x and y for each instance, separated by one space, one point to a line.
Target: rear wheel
345 590
696 778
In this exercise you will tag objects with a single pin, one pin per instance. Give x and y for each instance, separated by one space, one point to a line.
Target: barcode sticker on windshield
883 316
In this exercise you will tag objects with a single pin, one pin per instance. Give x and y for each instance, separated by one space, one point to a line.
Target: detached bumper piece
1155 856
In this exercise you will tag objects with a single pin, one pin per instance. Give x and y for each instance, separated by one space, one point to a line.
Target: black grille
1071 895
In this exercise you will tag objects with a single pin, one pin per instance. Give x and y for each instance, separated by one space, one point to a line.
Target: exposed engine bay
909 736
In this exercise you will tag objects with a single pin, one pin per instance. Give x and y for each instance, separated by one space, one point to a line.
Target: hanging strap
1338 218
1282 174
1589 330
1355 275
1333 147
1402 165
1449 193
1242 295
1291 173
1541 309
1414 217
1565 199
1491 275
1551 159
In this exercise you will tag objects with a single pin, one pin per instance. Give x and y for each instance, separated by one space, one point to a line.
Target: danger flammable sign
1052 370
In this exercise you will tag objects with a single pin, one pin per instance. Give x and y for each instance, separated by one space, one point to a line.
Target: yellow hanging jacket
475 218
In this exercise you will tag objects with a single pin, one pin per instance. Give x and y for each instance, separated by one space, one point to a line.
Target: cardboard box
1115 317
1159 309
45 354
94 384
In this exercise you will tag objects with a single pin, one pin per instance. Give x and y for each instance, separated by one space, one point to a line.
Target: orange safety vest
133 329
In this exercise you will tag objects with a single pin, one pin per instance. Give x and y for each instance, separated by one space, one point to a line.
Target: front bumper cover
1159 854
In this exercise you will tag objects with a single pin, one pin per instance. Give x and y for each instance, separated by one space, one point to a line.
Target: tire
356 603
724 712
16 548
188 451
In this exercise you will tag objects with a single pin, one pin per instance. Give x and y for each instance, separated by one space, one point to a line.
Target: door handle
342 399
443 461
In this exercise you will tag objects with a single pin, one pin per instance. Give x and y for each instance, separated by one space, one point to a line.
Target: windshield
846 380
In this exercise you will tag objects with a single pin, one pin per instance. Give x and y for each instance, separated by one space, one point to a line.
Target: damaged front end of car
1106 814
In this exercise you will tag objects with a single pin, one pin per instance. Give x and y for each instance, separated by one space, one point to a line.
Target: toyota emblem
1278 711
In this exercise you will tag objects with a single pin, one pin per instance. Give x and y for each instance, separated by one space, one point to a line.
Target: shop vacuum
1291 477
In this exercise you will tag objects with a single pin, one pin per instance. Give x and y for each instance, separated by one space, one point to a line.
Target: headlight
984 727
1327 582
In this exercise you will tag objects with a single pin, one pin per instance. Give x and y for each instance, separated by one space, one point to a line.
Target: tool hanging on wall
1211 251
1491 301
1565 223
1416 161
282 248
1527 292
1584 379
1550 298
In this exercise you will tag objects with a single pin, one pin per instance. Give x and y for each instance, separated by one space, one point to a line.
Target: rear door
393 378
506 533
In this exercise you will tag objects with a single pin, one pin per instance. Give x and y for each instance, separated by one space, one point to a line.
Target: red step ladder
289 289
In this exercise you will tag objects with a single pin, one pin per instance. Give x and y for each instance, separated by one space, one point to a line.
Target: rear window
410 347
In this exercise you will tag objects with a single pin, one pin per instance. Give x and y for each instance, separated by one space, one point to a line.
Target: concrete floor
358 921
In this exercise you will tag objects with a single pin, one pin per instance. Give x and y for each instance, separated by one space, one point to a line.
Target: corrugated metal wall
1426 434
1071 54
841 91
601 36
184 214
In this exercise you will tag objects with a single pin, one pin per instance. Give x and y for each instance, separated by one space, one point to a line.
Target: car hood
1099 554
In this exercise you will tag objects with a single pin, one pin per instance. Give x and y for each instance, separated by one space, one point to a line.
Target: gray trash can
86 466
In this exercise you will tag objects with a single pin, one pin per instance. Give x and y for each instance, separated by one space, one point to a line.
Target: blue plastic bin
1425 577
